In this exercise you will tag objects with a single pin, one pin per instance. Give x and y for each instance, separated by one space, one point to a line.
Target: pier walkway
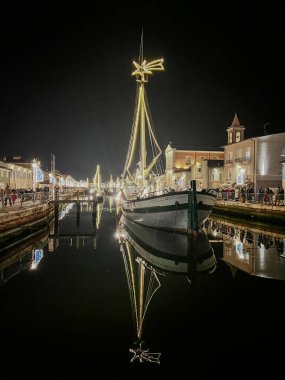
23 210
32 206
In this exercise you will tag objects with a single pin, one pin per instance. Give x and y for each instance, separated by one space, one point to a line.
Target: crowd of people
9 196
273 196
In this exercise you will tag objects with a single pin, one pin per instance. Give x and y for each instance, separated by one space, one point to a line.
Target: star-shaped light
147 68
142 355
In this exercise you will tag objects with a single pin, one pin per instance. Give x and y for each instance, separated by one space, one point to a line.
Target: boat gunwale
170 193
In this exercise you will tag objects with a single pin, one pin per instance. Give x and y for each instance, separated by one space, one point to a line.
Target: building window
238 137
230 137
247 153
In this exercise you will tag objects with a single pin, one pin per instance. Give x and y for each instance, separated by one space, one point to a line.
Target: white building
255 160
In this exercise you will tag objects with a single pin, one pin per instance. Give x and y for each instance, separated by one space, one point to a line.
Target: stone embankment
14 216
253 212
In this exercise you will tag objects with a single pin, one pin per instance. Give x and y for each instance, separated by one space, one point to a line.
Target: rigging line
141 298
134 124
154 151
134 137
128 274
150 120
150 287
131 283
153 138
155 290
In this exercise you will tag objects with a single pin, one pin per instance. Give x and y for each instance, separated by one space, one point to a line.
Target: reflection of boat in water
149 254
168 251
155 208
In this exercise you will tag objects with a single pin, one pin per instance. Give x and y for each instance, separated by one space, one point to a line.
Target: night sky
66 85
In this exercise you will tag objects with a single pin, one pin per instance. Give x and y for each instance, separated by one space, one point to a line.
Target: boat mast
97 179
142 122
142 119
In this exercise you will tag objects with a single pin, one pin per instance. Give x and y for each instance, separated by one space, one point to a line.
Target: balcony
243 159
229 162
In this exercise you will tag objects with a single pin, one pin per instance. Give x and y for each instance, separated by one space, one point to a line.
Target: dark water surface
71 317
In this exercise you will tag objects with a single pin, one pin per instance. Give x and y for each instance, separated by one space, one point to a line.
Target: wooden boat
171 211
153 206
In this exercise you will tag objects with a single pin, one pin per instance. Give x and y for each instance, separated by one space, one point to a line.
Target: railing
229 161
134 196
270 199
17 201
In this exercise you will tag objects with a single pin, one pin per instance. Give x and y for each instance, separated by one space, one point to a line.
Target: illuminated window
188 160
230 137
237 136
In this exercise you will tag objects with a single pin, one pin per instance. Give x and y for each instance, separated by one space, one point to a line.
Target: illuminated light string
138 301
142 355
147 68
38 174
142 123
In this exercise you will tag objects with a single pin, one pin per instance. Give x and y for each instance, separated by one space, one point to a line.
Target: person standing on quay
8 195
13 196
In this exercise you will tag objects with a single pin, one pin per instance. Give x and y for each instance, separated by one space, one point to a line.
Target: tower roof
235 122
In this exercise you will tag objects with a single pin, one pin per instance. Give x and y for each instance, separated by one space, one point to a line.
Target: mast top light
144 69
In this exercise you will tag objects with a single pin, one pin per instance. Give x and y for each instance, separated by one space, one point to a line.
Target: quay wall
254 213
16 218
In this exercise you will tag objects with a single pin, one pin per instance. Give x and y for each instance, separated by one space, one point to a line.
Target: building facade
5 174
283 167
254 161
204 166
15 175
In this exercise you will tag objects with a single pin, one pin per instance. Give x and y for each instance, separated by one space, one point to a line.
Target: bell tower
235 131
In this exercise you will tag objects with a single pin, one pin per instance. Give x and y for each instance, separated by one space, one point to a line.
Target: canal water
101 298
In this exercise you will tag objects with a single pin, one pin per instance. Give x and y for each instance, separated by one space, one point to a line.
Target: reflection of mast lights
142 355
139 300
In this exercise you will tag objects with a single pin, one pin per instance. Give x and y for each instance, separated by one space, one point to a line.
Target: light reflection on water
252 250
87 287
